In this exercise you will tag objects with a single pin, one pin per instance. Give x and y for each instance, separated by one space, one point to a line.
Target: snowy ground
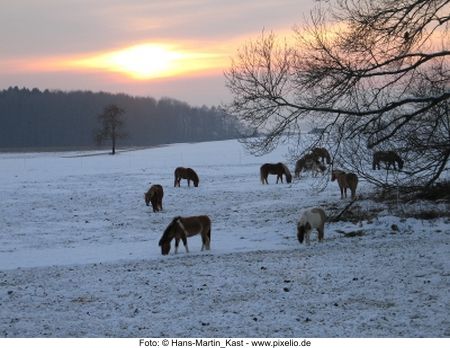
79 253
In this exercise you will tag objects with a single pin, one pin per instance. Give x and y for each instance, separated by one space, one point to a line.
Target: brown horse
183 227
154 195
311 219
388 157
185 173
278 169
308 162
322 154
345 180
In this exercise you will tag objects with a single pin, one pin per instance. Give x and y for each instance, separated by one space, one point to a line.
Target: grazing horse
322 153
183 227
345 180
308 162
154 195
185 173
311 219
277 169
388 157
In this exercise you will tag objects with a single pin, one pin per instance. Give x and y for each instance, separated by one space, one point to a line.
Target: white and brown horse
185 173
388 157
345 181
309 162
278 169
184 227
322 154
311 219
154 195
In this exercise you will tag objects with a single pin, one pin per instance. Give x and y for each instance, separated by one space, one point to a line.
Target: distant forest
57 119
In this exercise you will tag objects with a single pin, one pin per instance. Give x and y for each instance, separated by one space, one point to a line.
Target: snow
79 253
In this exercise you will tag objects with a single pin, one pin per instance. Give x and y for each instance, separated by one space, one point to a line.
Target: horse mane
287 172
194 174
166 234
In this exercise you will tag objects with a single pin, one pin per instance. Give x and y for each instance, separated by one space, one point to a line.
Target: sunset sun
143 61
149 61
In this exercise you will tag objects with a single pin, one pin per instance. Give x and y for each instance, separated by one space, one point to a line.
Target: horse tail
209 236
175 174
300 234
352 182
262 174
206 236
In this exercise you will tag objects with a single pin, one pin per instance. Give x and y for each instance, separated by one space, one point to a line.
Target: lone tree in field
112 123
373 75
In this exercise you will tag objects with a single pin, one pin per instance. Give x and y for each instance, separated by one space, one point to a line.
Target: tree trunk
113 138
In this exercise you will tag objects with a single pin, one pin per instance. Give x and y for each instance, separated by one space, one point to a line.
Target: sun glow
150 61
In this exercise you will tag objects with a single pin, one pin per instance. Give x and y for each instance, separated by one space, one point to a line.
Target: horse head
195 179
302 229
147 197
165 246
167 236
287 173
322 167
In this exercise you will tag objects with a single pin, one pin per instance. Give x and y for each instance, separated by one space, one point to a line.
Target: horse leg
177 242
376 165
320 230
183 237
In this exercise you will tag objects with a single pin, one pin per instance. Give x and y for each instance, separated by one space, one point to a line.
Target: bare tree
372 74
112 123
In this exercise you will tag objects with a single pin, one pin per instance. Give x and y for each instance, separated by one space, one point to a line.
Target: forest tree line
57 119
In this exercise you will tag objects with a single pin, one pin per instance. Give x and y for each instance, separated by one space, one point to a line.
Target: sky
158 48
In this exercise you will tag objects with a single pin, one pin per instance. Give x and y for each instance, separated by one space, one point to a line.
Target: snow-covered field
79 253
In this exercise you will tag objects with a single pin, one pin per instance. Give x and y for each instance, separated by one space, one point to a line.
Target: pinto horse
311 219
308 162
185 173
388 157
322 154
278 169
184 227
154 195
345 181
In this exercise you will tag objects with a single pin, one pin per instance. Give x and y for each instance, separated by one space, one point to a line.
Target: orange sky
176 48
